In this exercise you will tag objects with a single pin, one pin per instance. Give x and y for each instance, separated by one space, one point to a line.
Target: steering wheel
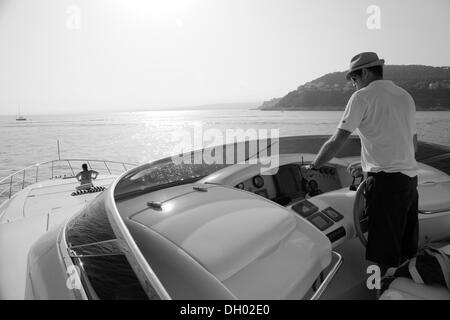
360 218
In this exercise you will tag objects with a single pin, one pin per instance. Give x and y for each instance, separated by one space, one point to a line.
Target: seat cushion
407 289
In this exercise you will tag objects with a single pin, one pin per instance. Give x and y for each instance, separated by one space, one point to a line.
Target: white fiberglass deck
44 205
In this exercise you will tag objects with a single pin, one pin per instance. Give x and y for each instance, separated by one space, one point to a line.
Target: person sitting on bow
85 177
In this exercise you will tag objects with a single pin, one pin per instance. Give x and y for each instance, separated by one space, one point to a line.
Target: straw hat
364 60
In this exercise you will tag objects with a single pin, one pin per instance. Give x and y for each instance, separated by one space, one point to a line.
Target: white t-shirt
384 115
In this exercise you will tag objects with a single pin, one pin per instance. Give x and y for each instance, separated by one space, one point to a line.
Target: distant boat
19 117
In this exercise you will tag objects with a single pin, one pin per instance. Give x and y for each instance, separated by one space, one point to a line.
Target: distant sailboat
19 117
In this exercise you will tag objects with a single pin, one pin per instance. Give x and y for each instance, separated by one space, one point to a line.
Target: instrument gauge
240 186
258 181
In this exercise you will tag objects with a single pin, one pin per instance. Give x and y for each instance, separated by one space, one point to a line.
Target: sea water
139 137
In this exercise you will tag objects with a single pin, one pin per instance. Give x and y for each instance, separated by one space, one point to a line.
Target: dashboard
293 187
292 183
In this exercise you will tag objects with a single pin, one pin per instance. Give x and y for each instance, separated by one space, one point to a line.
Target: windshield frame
142 269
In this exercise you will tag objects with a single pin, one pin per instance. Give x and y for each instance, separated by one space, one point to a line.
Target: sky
60 56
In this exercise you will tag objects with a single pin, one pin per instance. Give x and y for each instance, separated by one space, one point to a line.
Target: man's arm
331 148
94 174
351 119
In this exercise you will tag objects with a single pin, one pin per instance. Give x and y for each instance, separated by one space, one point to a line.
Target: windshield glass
160 174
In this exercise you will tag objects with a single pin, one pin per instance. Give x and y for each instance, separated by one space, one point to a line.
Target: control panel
322 219
292 183
323 180
259 184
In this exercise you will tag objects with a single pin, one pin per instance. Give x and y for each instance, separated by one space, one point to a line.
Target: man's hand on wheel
309 167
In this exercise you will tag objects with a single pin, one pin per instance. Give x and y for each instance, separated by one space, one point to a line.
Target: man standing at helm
384 115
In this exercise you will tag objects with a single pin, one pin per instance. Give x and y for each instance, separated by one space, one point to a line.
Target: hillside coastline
429 86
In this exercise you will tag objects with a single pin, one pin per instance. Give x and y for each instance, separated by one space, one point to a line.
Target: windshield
162 173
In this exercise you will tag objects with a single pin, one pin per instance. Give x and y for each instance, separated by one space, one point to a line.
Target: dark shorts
392 206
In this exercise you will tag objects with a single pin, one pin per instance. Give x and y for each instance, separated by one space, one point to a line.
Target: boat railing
56 169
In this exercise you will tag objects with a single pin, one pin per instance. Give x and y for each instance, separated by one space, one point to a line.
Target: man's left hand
309 167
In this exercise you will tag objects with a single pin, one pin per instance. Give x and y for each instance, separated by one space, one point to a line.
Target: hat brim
378 62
